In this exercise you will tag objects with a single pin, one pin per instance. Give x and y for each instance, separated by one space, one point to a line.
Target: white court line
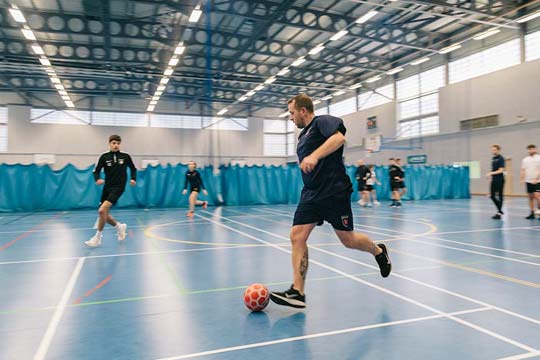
318 335
57 316
354 278
455 294
522 356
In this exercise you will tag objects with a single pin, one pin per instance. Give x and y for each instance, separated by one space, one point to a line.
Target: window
278 138
323 110
379 96
485 61
343 107
3 129
66 117
474 168
175 121
237 124
119 119
532 46
418 105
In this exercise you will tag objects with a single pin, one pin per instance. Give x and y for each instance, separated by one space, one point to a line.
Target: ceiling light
168 72
158 93
69 104
195 14
270 80
17 15
164 80
55 80
450 48
59 87
327 97
179 50
242 98
38 50
66 98
160 88
486 34
259 87
355 86
151 108
339 35
44 61
420 61
250 93
63 92
339 92
153 102
529 17
316 102
394 71
28 34
174 61
298 61
373 79
155 98
222 111
317 49
283 71
286 113
362 19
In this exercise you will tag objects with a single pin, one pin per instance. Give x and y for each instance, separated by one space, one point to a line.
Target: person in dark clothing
193 178
497 180
402 186
326 196
115 164
395 174
362 175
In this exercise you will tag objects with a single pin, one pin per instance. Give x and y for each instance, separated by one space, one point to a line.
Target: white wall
81 144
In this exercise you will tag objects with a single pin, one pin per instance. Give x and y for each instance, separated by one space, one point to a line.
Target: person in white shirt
530 174
370 182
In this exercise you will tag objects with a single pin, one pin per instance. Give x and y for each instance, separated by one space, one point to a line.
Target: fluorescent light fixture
164 80
69 104
66 98
38 50
298 61
160 88
394 71
270 80
195 14
529 17
158 93
59 87
168 72
317 49
242 98
153 102
44 61
339 92
17 15
420 61
179 50
327 97
283 71
151 108
250 93
259 87
339 35
174 61
55 80
222 111
286 113
362 19
63 92
450 48
486 34
50 70
316 102
355 86
373 79
28 34
155 98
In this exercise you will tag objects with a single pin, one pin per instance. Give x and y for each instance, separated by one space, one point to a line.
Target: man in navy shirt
326 195
497 180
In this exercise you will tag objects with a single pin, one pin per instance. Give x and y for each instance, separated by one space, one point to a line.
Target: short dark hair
496 146
531 146
115 138
191 161
391 159
398 159
302 101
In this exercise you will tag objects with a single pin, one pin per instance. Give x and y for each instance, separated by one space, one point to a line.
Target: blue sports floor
463 287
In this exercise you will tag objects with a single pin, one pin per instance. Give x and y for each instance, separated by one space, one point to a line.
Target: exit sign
417 159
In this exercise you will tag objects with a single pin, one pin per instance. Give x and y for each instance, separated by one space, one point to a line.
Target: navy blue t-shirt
496 163
329 177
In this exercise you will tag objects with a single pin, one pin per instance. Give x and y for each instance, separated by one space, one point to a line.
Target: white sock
99 233
118 223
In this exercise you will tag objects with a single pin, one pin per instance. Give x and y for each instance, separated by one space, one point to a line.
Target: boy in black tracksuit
115 164
193 178
396 174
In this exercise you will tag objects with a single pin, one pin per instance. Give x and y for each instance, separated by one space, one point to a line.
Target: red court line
28 232
130 233
91 291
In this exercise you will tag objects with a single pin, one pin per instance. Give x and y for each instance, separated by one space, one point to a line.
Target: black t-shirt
497 162
115 165
395 172
194 179
362 174
329 177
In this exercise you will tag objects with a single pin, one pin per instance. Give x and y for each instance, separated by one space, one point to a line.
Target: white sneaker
121 232
361 203
95 241
368 205
376 203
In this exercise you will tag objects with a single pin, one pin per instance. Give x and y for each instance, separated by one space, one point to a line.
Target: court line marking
446 291
28 232
94 289
322 334
522 356
57 316
382 289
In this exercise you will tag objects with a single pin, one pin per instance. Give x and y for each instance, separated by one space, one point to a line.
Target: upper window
532 46
379 96
3 129
343 107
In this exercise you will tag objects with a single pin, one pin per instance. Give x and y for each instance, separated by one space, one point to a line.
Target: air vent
480 122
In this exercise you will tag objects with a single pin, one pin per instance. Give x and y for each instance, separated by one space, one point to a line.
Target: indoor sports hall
264 179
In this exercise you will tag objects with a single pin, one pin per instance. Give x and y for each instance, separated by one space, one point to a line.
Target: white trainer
121 232
95 241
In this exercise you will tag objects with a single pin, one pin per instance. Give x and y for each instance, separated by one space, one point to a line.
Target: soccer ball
256 297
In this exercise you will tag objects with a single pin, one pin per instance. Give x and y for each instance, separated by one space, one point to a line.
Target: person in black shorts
402 186
194 179
497 180
326 196
530 175
361 175
395 182
115 164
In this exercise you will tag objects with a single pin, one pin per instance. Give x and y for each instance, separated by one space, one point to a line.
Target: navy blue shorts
335 210
111 195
